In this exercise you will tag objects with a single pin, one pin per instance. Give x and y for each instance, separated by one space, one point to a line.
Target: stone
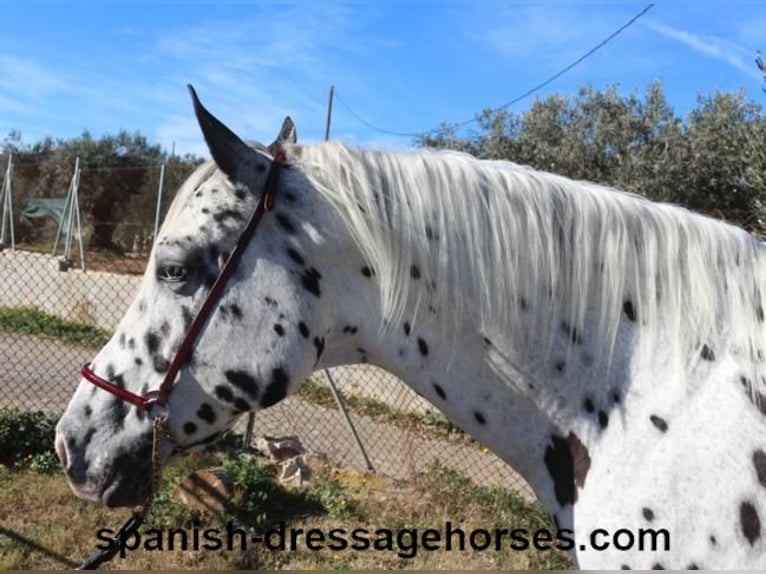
208 490
279 449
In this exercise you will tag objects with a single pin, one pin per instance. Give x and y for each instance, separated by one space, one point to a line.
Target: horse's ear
233 156
287 135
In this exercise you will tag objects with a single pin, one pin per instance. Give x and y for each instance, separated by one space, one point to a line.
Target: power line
515 100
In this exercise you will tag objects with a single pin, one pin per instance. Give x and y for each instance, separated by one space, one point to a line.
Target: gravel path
41 374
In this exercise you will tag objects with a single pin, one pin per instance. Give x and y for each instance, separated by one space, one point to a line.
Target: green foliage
714 161
337 501
253 484
259 500
45 463
166 511
32 321
26 439
119 173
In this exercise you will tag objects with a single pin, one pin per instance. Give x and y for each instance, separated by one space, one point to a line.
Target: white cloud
252 72
24 79
733 54
536 32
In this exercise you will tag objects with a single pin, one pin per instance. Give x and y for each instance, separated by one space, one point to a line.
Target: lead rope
137 518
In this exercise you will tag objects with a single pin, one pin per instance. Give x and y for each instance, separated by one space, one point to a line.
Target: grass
32 321
45 526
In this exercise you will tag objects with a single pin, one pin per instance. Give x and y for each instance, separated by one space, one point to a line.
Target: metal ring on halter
154 409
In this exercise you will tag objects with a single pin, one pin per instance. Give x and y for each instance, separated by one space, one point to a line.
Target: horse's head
263 336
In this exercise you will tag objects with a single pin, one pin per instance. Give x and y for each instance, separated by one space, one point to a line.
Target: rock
294 471
297 471
279 449
207 490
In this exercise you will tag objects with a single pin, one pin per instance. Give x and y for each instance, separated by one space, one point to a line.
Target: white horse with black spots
608 348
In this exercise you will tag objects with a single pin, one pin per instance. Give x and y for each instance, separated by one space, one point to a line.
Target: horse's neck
597 443
527 407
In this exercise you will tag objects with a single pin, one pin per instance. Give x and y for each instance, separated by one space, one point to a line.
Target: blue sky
403 66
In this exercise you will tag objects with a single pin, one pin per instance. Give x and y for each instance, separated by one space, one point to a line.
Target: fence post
159 203
344 412
7 199
69 217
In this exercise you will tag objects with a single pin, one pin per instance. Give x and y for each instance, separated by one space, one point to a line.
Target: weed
45 463
334 496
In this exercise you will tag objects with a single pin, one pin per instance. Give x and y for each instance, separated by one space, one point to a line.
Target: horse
608 348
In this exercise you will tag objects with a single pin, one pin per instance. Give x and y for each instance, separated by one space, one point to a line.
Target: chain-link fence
52 318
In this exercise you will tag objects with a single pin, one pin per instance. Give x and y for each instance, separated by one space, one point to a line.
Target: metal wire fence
398 432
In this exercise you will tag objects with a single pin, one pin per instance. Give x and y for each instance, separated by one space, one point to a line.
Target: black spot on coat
277 388
241 405
568 463
629 310
572 333
190 428
206 413
759 461
310 280
423 347
244 381
152 342
659 422
295 256
707 353
225 214
303 329
285 223
440 391
750 522
224 393
319 344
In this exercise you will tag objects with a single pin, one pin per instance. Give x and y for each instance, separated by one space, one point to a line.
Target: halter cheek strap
159 398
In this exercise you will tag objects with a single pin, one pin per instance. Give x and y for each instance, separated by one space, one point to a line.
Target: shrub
25 436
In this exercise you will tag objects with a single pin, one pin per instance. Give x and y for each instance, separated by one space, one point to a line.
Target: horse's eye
171 273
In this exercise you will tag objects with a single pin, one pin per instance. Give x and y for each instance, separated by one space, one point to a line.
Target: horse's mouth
114 494
123 481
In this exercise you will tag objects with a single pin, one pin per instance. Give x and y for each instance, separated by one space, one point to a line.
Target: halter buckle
155 410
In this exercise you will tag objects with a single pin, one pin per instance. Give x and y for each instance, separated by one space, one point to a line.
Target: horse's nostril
61 449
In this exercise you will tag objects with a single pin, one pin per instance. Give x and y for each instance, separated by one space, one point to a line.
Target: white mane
496 239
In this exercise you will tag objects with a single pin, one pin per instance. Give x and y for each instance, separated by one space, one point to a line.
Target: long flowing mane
509 245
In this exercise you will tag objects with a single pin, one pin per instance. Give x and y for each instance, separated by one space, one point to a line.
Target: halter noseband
159 398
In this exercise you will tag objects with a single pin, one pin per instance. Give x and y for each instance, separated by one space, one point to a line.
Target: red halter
160 397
